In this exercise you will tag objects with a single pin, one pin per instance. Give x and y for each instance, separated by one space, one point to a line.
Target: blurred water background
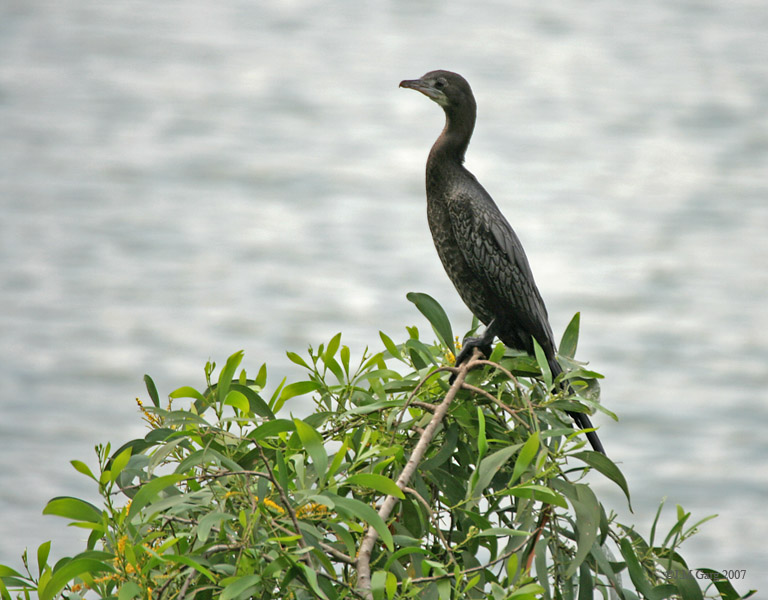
180 180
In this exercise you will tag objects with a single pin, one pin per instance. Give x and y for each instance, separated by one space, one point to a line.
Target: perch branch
366 546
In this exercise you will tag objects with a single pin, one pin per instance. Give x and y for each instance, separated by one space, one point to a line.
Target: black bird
478 248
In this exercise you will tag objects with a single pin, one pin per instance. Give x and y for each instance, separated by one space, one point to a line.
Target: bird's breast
470 287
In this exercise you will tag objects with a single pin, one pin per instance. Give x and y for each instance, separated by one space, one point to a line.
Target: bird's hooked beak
425 88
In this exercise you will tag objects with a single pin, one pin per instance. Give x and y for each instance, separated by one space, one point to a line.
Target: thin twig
498 559
432 518
493 399
509 375
185 585
223 548
200 477
544 519
498 367
429 375
287 504
327 547
366 546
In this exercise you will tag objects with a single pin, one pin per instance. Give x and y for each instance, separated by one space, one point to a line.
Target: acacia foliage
230 495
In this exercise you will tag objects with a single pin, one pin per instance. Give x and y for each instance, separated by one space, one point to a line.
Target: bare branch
424 405
366 546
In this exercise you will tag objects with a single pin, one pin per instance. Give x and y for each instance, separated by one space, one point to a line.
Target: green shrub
230 496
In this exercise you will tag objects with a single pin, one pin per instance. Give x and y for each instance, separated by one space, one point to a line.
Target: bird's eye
440 84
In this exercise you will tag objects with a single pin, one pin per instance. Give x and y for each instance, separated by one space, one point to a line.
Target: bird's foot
482 343
469 345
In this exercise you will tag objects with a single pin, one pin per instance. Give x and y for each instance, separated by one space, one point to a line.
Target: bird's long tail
581 419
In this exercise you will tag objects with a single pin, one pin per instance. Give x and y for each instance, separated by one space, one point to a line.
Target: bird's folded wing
494 252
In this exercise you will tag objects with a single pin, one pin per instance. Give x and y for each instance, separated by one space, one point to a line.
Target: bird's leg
482 343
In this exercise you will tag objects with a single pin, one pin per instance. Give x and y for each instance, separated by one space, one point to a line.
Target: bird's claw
468 347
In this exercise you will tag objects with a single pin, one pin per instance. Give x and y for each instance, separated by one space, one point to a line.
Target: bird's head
449 90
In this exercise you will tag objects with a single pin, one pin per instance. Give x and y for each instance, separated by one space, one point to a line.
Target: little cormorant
478 248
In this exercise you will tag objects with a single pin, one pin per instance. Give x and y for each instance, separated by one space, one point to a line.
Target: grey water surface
180 180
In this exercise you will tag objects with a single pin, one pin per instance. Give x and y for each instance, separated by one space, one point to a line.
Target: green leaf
271 429
332 348
344 355
541 360
378 584
335 368
538 492
187 392
511 566
727 591
129 590
338 458
636 571
313 442
42 556
261 378
185 560
663 591
210 520
298 388
435 314
256 402
390 346
445 449
296 359
686 583
205 456
497 353
607 467
152 390
228 374
361 511
149 490
376 482
66 570
482 441
4 593
310 576
391 585
527 454
527 592
118 462
420 354
73 508
6 571
606 566
81 467
240 587
238 400
488 467
587 510
570 337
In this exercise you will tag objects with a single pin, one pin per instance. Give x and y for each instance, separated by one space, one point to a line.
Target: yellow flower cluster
313 511
449 355
123 568
152 419
273 505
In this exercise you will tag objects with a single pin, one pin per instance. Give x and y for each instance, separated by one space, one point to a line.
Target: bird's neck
449 149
